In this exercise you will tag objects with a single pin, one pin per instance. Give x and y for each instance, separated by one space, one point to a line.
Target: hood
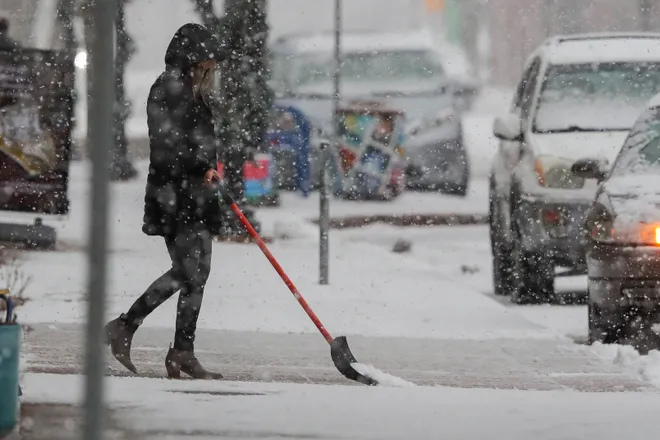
575 146
635 198
415 99
192 44
374 88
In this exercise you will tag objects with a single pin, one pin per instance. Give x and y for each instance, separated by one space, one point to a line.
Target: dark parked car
623 227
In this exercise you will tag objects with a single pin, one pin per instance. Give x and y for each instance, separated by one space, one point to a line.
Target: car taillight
540 174
551 216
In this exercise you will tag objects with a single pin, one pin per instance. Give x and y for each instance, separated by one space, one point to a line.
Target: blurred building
517 27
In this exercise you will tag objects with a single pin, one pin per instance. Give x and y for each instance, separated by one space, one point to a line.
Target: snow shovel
339 350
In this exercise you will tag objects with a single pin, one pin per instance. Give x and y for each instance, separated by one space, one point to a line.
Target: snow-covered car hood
374 88
634 197
417 100
575 146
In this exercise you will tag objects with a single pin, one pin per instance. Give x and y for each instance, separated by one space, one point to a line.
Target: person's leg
160 290
120 331
197 266
196 263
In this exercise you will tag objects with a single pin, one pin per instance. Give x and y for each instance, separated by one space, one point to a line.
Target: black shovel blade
343 358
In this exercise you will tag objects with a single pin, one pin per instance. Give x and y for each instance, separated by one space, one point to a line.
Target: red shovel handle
226 197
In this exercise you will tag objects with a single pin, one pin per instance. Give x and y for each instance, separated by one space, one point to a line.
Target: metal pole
100 141
645 14
325 199
324 216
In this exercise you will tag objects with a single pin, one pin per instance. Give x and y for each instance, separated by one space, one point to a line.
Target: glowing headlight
641 233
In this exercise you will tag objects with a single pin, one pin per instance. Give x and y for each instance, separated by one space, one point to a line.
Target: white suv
578 97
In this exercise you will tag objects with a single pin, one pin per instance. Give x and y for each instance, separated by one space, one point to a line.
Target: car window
308 68
641 150
595 96
530 89
522 87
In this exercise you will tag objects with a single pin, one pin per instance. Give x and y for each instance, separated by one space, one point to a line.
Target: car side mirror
508 128
588 169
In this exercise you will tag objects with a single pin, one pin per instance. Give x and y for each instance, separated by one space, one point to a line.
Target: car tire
502 266
639 332
533 273
603 327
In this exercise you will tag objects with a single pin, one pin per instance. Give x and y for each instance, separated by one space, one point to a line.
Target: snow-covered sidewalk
164 410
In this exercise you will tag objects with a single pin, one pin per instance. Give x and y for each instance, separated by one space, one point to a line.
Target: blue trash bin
10 344
295 145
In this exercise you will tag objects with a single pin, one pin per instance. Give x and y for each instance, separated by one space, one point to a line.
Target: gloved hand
210 176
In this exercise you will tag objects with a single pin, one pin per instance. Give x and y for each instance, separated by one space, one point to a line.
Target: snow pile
647 367
381 377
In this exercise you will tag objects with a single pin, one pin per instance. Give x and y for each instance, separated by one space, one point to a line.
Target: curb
407 220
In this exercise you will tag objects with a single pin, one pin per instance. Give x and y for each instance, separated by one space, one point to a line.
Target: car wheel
533 274
639 332
603 327
502 266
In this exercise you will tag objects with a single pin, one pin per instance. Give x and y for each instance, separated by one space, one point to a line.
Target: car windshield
641 151
302 69
595 97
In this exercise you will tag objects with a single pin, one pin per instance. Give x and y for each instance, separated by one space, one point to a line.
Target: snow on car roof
604 48
358 42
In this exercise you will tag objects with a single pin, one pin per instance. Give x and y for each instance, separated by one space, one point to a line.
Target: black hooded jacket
182 141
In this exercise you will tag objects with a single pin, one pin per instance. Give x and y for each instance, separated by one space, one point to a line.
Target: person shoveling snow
181 202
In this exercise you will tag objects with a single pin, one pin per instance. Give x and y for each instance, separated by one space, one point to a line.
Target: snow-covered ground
439 292
160 409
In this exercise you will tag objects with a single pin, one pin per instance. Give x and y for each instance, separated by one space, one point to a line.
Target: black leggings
190 253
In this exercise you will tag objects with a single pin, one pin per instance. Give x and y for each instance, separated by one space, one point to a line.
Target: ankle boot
119 336
179 360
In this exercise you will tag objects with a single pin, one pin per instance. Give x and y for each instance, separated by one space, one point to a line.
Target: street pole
100 140
324 217
645 14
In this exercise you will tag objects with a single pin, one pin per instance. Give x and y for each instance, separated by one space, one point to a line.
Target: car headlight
553 172
620 232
